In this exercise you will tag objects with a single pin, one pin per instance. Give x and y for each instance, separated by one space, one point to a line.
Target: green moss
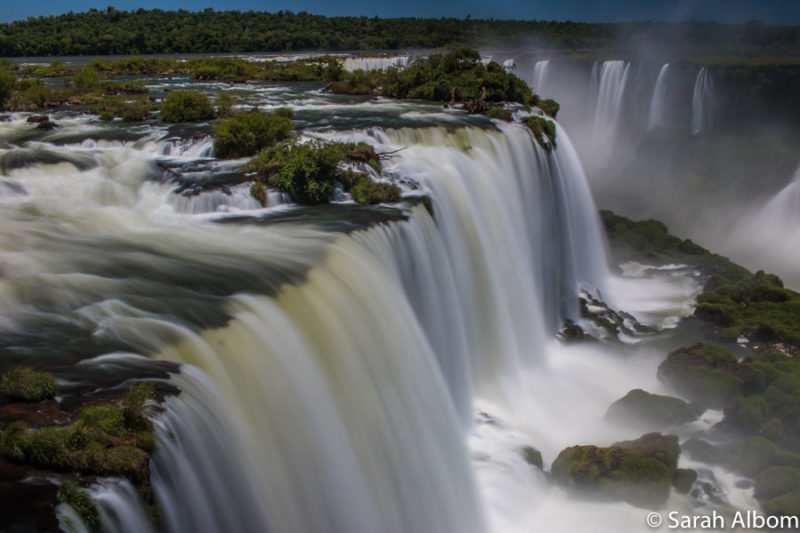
25 384
639 471
642 408
186 106
499 113
71 494
549 106
247 133
706 374
533 457
542 128
259 191
104 440
775 481
784 505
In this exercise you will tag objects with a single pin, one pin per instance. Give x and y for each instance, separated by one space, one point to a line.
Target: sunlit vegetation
186 106
247 133
309 172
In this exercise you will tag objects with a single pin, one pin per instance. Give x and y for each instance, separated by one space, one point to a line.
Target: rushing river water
341 368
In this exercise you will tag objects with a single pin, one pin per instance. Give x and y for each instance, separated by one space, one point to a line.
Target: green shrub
248 133
86 79
186 106
24 383
367 192
7 81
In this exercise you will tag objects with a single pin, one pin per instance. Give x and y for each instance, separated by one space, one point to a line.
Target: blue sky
770 11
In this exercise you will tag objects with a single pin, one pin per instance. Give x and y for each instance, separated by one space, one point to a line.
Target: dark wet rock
640 408
639 472
37 119
684 479
749 456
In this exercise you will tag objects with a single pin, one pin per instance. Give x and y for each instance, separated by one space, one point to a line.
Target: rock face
640 408
639 472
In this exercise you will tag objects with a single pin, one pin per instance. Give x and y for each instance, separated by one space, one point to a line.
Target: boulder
640 408
639 472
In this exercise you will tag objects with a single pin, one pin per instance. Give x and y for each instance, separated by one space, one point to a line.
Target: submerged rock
684 479
640 408
639 471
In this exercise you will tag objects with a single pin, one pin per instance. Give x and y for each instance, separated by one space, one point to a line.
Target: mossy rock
543 130
784 505
533 457
684 479
106 440
641 408
640 471
706 374
748 456
27 385
776 481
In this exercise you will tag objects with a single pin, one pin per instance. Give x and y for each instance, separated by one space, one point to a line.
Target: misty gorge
386 282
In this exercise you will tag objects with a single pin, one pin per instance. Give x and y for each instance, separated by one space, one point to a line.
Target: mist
703 143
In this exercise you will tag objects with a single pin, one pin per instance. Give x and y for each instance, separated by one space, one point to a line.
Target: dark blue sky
770 11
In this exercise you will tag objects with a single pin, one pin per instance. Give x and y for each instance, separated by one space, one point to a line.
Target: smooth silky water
377 372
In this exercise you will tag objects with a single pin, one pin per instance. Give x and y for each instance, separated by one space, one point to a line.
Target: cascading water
352 64
611 80
702 101
540 74
658 103
328 378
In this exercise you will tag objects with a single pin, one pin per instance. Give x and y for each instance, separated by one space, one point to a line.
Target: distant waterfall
374 63
540 71
702 102
611 81
658 103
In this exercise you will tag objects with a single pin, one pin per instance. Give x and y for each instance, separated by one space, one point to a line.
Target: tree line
112 32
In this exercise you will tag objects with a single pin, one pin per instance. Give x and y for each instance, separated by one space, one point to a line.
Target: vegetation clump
186 106
135 110
247 133
70 493
106 440
541 129
640 471
458 75
309 171
550 107
25 384
499 113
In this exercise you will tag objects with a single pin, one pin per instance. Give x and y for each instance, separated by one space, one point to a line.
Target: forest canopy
112 32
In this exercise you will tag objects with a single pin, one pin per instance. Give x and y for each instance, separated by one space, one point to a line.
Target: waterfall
327 378
611 81
374 62
702 102
658 103
540 71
